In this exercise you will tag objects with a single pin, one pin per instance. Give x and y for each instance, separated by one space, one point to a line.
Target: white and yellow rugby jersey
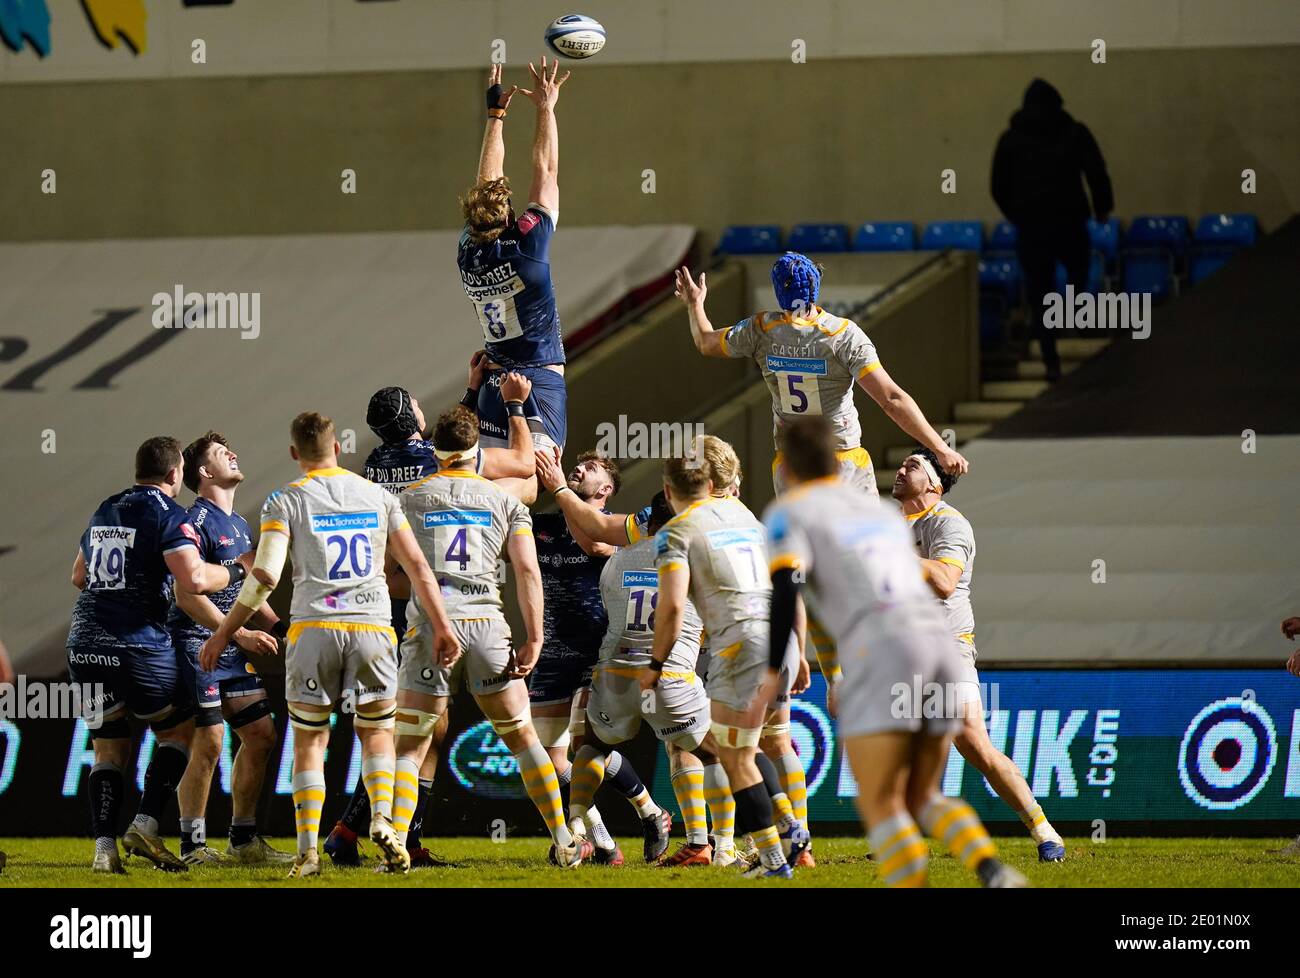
810 366
463 522
338 525
860 568
629 586
945 535
722 544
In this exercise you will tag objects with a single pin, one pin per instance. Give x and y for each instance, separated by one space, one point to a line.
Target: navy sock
160 780
624 777
771 780
106 786
242 833
417 822
357 815
753 809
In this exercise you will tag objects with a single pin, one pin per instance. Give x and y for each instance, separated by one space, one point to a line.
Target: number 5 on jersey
458 541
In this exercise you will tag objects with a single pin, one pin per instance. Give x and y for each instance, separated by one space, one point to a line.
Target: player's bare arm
79 571
942 577
411 559
692 295
598 528
905 413
674 586
545 93
201 610
264 575
492 155
193 575
522 552
399 585
517 461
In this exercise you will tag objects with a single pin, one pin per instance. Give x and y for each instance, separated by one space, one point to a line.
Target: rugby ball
575 36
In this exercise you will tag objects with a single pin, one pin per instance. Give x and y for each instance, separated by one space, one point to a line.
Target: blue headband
796 281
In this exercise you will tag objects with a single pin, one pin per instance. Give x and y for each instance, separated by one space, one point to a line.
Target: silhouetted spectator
1036 170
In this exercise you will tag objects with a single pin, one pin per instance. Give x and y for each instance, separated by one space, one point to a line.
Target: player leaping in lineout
504 264
811 360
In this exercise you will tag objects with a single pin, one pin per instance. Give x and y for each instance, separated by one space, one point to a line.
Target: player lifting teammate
855 560
504 264
119 640
337 526
713 552
231 692
947 546
464 523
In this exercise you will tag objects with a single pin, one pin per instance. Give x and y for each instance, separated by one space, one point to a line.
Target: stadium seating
812 238
1218 237
1003 239
885 236
750 239
959 235
1000 282
1154 248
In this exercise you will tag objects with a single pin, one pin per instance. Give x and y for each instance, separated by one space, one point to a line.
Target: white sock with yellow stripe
955 824
722 807
406 795
543 787
688 787
899 850
795 784
377 773
308 799
1040 829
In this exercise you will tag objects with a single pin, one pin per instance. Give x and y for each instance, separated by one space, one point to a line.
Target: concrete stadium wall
843 139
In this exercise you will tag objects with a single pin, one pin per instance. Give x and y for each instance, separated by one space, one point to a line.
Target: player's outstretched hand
1291 627
549 473
477 368
515 387
953 462
1293 664
259 643
210 653
686 289
524 659
546 87
497 96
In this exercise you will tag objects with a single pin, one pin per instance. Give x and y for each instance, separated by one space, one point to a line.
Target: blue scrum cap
797 280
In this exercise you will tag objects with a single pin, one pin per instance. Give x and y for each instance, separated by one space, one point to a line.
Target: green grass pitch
521 863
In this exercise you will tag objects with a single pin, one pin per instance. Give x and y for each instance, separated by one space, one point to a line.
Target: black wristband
280 630
556 492
654 665
237 574
470 400
515 409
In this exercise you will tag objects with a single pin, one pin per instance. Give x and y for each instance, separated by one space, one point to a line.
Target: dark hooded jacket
1039 160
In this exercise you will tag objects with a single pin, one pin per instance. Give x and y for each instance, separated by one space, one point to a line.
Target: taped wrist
272 549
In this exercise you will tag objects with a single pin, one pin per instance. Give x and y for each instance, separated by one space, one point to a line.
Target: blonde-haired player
338 528
713 552
854 559
464 523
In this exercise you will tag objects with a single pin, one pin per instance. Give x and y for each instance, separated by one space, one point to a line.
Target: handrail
863 310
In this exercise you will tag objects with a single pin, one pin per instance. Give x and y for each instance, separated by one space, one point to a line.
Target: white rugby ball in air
575 36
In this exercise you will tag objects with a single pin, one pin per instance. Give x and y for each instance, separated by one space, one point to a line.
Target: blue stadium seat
1238 230
1169 233
812 238
959 235
1001 276
1105 239
751 239
1149 270
1096 274
885 236
1003 238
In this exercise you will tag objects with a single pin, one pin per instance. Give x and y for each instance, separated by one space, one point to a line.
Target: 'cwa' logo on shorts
102 932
